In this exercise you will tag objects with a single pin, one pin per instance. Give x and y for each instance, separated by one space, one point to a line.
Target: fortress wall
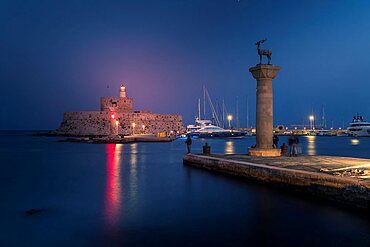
85 123
101 123
118 104
161 122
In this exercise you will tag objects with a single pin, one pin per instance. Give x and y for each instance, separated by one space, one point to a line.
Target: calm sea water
142 195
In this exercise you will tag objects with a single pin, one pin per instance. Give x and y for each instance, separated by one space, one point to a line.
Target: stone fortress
117 118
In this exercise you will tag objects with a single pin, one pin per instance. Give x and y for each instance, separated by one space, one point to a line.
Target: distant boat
312 133
205 129
198 125
358 127
214 131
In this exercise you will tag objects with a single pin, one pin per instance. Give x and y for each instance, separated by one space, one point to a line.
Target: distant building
117 118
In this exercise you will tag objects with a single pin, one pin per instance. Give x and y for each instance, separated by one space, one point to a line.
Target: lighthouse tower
117 104
122 91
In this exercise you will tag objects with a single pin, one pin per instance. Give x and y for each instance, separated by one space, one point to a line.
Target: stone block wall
153 123
85 123
101 123
116 104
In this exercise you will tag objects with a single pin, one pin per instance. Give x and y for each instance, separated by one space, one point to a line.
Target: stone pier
340 179
264 74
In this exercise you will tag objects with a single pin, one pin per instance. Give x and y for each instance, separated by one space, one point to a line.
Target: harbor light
229 117
312 119
117 126
133 128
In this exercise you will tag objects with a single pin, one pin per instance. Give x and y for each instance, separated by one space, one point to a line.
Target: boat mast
223 113
213 110
247 113
237 112
199 108
204 102
217 108
323 123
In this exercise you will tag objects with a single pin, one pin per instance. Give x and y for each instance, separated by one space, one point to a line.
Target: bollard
206 149
284 149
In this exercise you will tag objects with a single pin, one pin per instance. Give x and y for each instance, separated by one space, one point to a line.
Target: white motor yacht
358 127
214 131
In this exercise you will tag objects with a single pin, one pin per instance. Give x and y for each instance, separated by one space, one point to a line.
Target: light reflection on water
135 194
229 147
117 169
355 141
113 188
133 173
311 145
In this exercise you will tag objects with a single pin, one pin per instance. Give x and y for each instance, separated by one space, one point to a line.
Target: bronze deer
261 52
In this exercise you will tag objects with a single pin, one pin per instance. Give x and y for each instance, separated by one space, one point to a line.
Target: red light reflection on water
113 188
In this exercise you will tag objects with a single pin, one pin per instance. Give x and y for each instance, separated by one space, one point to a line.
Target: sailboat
208 129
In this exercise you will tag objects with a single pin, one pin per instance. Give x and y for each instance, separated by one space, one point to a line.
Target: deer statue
261 52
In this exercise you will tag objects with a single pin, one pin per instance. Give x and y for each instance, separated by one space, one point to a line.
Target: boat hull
226 134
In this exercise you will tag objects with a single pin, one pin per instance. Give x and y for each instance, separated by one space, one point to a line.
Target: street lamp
229 117
117 126
133 128
143 126
312 118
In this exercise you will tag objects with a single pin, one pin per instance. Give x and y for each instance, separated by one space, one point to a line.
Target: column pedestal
264 74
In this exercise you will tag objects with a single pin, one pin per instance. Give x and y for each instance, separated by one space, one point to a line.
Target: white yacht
205 129
214 131
358 127
198 125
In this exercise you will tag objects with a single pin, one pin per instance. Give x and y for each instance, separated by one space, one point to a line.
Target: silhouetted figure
275 140
188 143
293 143
284 149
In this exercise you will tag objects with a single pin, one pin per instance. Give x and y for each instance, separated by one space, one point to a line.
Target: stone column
264 110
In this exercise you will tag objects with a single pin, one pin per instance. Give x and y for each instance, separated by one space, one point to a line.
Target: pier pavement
341 179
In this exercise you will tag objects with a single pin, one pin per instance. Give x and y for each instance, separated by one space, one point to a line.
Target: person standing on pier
275 140
293 142
188 143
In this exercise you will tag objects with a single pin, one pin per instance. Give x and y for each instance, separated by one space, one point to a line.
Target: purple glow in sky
60 56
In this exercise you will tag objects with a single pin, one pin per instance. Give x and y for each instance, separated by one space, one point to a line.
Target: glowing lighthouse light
122 91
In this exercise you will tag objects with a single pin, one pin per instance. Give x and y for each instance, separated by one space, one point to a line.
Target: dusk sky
58 56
